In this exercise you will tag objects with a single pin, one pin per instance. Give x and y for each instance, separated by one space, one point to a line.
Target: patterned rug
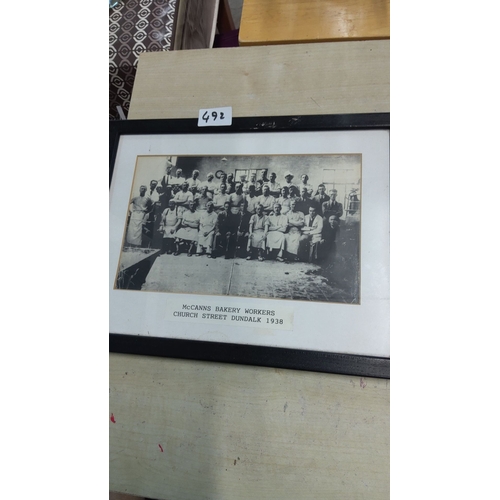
135 26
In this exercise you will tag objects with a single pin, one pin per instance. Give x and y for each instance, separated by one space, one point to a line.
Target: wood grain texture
279 80
265 22
186 430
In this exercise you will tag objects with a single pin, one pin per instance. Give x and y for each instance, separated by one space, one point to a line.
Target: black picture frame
221 352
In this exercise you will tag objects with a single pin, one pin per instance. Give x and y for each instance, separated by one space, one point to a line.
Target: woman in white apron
188 230
170 221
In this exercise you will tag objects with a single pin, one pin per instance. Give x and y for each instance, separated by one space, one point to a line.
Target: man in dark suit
328 248
227 229
332 207
320 198
242 220
332 210
304 202
313 229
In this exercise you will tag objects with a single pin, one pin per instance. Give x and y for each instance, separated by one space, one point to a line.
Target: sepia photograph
262 226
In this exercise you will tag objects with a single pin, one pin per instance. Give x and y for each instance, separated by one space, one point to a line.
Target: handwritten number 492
214 115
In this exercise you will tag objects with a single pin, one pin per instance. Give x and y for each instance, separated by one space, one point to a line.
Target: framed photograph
265 242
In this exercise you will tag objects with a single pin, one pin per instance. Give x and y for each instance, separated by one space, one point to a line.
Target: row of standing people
169 182
169 186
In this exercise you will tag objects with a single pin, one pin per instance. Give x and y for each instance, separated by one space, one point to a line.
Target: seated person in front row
169 223
208 224
242 221
295 242
327 248
313 228
276 226
225 231
256 234
187 234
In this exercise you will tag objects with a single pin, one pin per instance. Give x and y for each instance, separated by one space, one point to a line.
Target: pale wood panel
300 79
265 22
192 430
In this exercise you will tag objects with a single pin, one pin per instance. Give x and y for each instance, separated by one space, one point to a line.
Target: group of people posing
254 218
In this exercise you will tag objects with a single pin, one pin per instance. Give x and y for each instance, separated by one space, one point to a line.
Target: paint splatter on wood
113 419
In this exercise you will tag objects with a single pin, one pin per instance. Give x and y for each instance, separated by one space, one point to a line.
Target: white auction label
215 117
217 311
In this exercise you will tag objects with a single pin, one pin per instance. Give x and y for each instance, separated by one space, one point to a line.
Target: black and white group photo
276 226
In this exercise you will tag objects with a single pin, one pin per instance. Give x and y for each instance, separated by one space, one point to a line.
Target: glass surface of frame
265 243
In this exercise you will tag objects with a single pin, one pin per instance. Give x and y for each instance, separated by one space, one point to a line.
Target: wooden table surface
265 22
275 80
181 430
